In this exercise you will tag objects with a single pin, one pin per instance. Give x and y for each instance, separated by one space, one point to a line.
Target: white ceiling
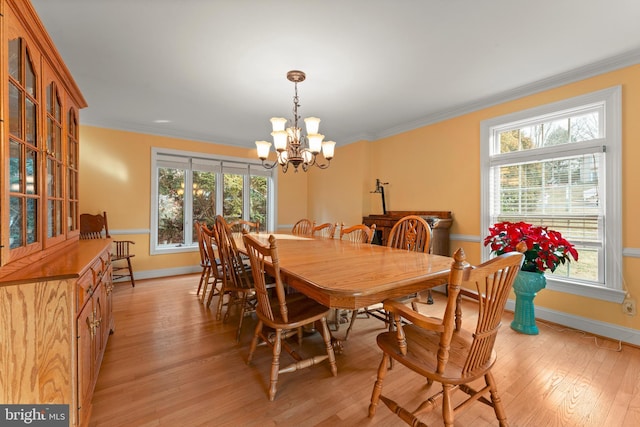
216 69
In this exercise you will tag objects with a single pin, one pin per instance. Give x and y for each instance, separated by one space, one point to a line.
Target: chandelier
291 146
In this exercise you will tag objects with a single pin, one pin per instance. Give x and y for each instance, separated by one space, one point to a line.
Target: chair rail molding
130 231
631 252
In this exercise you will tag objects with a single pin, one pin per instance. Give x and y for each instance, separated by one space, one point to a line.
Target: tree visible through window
171 206
233 200
258 198
234 190
204 197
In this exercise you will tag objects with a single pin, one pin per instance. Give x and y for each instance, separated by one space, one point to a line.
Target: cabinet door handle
92 330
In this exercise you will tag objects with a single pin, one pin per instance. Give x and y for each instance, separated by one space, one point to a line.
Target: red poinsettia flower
545 249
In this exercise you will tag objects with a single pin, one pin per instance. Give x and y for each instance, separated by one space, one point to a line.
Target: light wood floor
170 363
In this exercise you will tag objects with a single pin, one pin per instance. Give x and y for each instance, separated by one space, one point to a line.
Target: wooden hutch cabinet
55 291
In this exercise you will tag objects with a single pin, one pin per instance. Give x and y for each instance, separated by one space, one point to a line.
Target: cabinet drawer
97 268
90 280
86 285
105 258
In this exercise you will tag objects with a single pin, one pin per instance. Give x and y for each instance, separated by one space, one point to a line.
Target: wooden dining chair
97 227
434 349
204 261
304 227
285 314
238 225
358 233
211 270
237 281
327 230
412 233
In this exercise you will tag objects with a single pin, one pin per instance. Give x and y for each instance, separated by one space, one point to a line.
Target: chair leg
201 280
235 298
214 288
447 405
133 282
254 341
392 328
204 283
495 399
377 387
220 303
354 314
326 336
275 364
243 304
336 323
419 299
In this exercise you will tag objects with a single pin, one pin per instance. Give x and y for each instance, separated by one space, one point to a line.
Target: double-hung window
190 187
558 166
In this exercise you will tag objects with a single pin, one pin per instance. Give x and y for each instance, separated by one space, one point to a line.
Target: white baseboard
608 330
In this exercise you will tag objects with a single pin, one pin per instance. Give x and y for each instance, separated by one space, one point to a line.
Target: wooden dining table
345 275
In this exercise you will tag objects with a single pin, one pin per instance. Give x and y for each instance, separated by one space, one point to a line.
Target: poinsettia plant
545 249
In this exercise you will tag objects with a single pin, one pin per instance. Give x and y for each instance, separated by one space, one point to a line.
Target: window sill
589 291
165 250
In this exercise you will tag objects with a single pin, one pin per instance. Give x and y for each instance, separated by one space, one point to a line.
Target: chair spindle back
258 256
411 233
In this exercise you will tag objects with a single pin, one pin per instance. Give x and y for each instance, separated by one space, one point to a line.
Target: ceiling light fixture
291 146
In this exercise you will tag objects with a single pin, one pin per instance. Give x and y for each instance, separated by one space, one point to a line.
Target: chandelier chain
296 104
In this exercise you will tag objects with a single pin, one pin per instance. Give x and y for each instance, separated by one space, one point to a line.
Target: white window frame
611 99
225 163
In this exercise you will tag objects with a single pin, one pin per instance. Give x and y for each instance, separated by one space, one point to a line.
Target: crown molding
600 67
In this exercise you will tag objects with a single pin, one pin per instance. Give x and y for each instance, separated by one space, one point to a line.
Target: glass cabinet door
39 128
54 165
24 164
72 172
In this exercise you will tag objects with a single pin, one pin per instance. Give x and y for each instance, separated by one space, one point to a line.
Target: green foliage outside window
258 201
172 201
170 206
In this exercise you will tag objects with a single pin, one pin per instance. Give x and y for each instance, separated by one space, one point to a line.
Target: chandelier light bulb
313 124
279 140
307 156
283 158
263 149
278 123
327 149
315 142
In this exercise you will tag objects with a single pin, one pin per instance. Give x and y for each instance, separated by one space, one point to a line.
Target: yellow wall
340 193
115 168
437 167
432 168
292 198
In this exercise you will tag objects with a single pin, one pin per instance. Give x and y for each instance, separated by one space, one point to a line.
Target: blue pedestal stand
526 286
